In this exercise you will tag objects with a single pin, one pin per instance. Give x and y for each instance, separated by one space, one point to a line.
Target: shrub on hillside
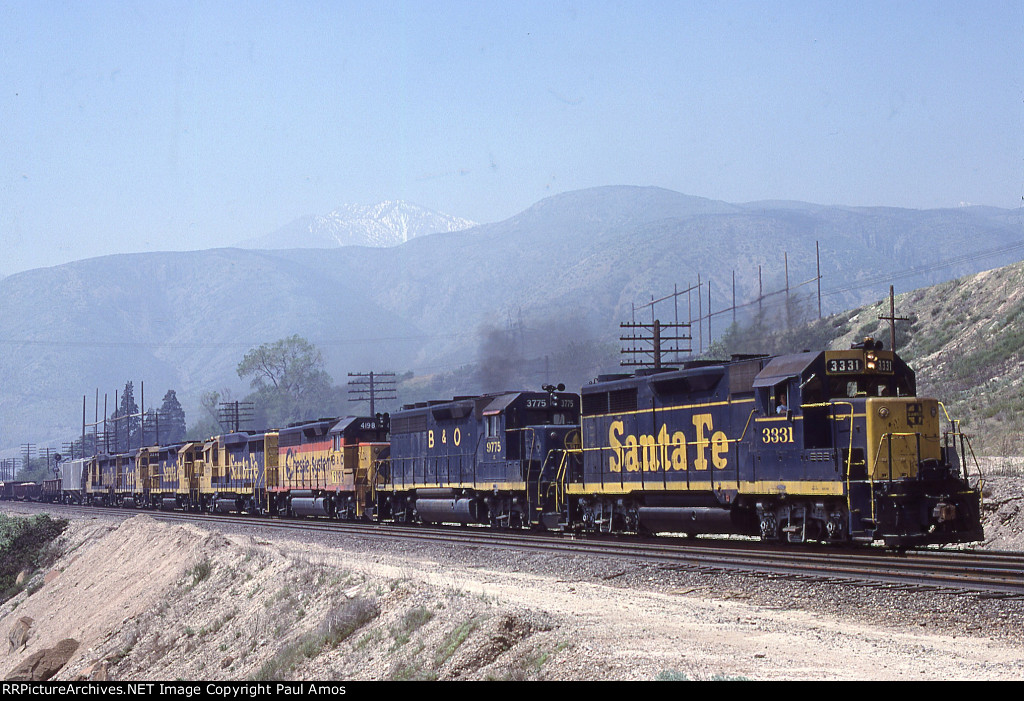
22 544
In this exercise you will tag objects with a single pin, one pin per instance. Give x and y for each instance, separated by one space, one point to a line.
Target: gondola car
499 459
22 491
831 446
51 491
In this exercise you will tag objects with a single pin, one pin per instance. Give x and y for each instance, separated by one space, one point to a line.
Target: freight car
73 477
16 490
26 491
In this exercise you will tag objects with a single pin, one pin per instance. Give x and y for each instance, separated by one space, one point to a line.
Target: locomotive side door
715 434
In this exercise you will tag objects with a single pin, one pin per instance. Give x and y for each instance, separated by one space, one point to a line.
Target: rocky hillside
965 339
142 600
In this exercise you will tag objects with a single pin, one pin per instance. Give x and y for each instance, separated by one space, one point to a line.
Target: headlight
883 412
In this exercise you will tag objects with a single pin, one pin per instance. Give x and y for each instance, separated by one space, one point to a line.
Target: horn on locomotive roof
867 344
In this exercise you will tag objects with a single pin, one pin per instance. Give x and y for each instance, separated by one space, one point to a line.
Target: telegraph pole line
892 319
234 415
817 261
372 386
653 345
27 450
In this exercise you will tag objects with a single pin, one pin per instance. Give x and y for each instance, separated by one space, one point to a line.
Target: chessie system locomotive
831 446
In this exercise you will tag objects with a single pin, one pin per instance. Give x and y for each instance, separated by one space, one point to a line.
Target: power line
910 272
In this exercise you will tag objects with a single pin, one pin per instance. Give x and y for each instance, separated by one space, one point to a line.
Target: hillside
966 341
561 274
964 337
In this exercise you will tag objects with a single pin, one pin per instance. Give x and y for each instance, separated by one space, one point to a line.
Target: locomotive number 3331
777 434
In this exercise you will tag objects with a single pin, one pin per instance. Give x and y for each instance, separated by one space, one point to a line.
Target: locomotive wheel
769 526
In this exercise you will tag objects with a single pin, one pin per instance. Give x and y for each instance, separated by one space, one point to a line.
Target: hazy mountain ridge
184 320
170 320
383 224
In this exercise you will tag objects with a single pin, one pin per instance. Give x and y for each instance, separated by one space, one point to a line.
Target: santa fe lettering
664 452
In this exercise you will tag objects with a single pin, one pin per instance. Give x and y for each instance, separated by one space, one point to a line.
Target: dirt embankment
145 600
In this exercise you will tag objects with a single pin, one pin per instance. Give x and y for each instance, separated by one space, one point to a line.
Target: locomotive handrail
849 451
557 485
981 478
946 412
745 427
964 437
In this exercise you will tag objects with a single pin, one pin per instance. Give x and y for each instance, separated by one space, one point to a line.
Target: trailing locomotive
318 468
829 446
500 459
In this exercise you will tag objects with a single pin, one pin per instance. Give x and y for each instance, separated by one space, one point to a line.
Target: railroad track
988 573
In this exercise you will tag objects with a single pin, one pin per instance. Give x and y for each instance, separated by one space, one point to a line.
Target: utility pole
27 450
372 386
655 341
233 415
892 319
817 259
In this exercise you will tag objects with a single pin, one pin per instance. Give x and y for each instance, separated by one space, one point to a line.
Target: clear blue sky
135 126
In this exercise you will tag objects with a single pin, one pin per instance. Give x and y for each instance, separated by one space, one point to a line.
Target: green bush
22 544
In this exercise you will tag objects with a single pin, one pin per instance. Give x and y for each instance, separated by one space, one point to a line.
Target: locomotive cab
859 434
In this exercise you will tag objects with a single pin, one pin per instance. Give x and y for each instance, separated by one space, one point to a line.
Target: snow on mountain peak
387 223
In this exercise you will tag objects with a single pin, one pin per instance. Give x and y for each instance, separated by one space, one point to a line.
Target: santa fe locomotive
830 446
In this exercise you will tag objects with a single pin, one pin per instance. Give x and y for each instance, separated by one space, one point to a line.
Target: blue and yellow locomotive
499 459
831 446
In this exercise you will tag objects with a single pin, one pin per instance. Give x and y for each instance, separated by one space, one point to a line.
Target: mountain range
564 272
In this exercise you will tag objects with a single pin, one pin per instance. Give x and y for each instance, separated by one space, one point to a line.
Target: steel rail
994 573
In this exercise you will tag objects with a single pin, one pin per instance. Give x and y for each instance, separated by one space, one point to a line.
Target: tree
172 419
126 422
289 380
